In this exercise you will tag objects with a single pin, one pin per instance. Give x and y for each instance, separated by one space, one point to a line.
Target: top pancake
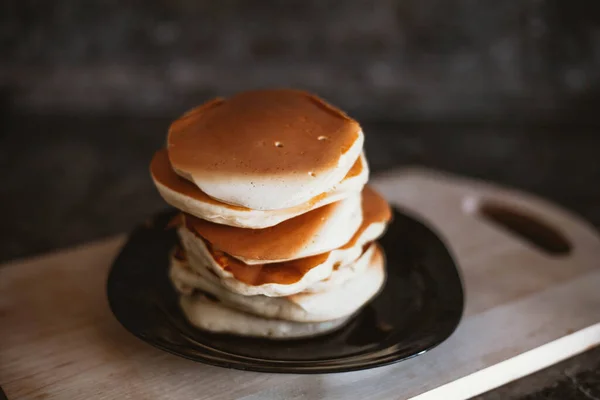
264 149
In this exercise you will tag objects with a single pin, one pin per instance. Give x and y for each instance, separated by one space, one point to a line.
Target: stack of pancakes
277 230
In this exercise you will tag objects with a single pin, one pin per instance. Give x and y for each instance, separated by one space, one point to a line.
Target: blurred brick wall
390 59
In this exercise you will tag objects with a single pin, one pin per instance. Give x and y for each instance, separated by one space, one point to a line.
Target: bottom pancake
213 316
345 292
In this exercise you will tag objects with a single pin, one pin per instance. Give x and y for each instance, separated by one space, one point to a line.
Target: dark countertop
68 180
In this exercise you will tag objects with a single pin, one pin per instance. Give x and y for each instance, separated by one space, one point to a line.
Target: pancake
214 317
187 197
336 300
315 232
264 149
289 277
186 278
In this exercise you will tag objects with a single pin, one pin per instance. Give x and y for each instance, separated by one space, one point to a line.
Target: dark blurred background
502 90
389 59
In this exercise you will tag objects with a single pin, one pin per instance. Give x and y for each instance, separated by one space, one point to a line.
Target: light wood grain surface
524 310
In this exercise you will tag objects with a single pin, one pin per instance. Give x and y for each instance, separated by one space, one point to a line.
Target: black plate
420 306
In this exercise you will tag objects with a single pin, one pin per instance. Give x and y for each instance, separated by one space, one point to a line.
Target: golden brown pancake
262 132
375 211
317 231
161 171
286 272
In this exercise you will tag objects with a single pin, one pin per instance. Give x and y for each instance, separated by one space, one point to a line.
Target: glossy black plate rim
222 358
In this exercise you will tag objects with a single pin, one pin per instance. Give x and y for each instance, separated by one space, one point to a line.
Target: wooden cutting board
525 309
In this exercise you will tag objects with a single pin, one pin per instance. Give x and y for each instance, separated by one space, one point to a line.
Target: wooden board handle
463 209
